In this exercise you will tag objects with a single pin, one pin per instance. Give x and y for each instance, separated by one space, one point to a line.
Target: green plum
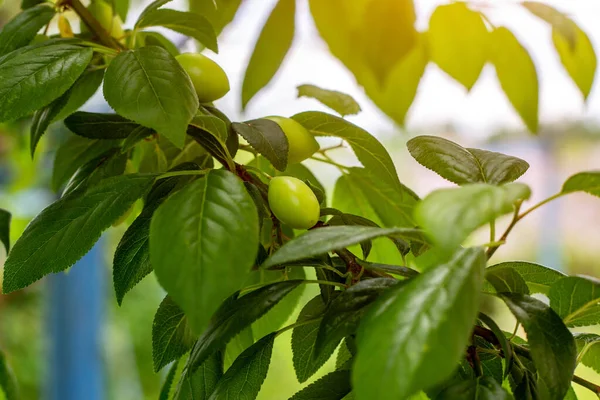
293 202
209 79
109 20
300 142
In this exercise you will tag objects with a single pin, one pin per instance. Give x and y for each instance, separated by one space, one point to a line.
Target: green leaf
131 262
304 340
100 126
196 229
187 23
110 163
333 386
270 49
588 350
502 339
342 103
62 233
171 335
152 77
121 7
36 75
219 12
538 278
74 153
463 165
345 312
558 21
21 30
576 300
579 60
146 38
449 216
236 346
155 5
211 133
551 344
81 91
399 346
588 182
482 388
41 120
506 279
8 383
235 314
247 374
458 41
323 240
200 384
517 75
166 387
25 4
267 138
5 218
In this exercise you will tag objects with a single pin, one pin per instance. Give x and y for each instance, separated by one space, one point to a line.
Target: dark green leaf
267 138
235 314
399 346
237 345
187 23
482 388
152 77
74 153
588 182
270 49
111 163
36 75
450 215
166 387
136 136
502 339
247 374
8 383
551 344
333 386
196 229
81 91
538 278
100 126
345 312
171 335
323 240
304 340
506 280
463 165
62 233
588 350
339 102
201 384
576 300
25 4
42 119
5 218
20 30
211 133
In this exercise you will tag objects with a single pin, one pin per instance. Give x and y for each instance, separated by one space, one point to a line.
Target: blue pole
74 325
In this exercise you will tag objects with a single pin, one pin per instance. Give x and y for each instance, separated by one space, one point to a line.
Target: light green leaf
196 229
62 233
458 42
34 76
152 77
538 278
323 240
399 346
155 5
166 387
482 388
506 280
201 384
247 374
517 75
551 344
5 218
588 350
342 103
270 50
576 300
100 125
20 30
449 216
557 20
463 165
81 91
146 38
219 12
187 23
333 386
211 133
588 182
171 335
8 383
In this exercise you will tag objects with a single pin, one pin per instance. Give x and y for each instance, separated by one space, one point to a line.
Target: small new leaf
342 103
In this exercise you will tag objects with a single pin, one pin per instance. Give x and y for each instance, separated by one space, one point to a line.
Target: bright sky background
440 100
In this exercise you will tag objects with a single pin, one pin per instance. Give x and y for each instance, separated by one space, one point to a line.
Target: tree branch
92 23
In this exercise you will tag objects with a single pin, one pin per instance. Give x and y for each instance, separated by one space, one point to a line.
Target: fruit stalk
91 22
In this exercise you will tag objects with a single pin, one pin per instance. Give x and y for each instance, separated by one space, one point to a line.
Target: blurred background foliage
386 53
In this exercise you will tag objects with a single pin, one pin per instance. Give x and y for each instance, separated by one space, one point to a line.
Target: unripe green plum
300 142
109 20
209 79
293 203
39 38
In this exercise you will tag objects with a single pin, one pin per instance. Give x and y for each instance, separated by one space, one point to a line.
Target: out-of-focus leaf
342 103
588 182
538 278
20 30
